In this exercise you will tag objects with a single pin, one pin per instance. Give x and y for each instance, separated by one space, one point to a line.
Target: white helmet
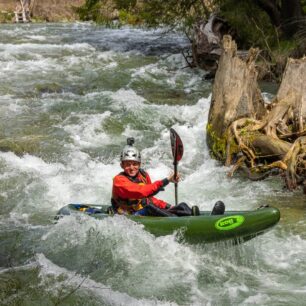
129 152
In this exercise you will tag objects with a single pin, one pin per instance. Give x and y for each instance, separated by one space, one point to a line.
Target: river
70 95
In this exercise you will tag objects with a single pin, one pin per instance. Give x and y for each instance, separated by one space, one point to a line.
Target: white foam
127 100
37 37
88 132
49 270
45 48
257 299
10 106
60 183
31 164
143 255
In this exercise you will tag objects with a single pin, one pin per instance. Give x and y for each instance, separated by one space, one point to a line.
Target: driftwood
206 43
245 131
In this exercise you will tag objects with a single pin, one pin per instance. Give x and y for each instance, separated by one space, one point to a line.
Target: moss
218 145
244 131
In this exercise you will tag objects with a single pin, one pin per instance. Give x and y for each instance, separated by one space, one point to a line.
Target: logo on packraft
228 223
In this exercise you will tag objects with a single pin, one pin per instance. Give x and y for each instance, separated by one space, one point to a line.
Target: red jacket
131 189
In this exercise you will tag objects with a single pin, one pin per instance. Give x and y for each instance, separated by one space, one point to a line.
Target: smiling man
133 191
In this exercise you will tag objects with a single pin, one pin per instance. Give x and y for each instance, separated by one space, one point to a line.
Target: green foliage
90 10
104 11
173 13
125 17
254 28
125 4
251 25
152 13
6 16
287 45
303 3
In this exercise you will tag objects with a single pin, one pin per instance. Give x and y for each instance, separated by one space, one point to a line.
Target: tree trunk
235 95
262 137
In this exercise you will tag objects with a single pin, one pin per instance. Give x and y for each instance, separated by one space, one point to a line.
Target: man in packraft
134 193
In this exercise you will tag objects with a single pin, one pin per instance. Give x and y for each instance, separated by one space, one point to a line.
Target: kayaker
134 193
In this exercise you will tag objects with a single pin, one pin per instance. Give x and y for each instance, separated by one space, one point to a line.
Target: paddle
177 152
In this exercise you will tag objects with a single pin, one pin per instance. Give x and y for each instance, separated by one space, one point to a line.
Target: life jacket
129 206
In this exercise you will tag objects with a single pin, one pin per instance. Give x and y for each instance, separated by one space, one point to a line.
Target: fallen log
206 43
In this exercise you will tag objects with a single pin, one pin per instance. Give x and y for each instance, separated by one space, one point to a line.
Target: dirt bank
46 10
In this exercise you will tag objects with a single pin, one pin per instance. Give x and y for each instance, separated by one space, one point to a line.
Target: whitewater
70 95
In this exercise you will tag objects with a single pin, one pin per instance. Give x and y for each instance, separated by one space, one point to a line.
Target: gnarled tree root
294 158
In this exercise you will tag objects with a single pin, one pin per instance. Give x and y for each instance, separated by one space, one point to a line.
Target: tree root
293 158
258 136
238 164
255 177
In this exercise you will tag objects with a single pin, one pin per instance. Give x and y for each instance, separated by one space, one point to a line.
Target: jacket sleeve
159 203
126 189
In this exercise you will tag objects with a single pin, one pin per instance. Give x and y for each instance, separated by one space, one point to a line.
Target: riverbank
43 10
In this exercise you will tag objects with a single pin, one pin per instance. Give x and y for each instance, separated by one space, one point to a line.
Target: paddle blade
176 145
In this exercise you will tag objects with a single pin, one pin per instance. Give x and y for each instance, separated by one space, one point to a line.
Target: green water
70 95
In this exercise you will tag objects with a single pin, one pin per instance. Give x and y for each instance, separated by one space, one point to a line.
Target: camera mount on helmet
129 152
130 141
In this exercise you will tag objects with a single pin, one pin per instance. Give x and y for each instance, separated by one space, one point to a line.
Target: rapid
70 95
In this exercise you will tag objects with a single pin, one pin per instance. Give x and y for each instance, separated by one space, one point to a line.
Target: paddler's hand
174 179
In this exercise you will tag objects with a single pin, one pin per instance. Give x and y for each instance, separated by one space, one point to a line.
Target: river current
70 95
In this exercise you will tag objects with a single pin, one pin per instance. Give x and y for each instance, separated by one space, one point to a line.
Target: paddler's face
130 167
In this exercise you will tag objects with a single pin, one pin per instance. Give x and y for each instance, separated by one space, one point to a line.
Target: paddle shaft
175 175
175 184
177 152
